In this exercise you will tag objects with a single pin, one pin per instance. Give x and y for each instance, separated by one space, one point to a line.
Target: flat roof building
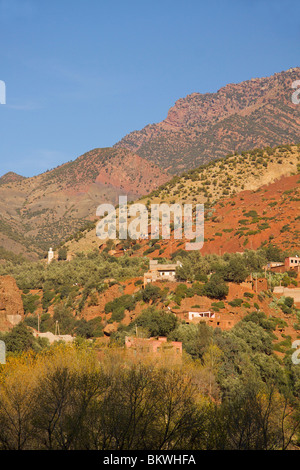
153 345
292 262
159 272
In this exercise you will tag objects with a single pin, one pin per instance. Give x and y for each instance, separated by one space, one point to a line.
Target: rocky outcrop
238 117
11 177
11 305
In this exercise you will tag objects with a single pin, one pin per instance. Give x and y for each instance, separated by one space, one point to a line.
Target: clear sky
81 74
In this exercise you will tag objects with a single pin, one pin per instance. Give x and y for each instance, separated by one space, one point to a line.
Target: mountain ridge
11 177
40 211
44 210
201 127
253 176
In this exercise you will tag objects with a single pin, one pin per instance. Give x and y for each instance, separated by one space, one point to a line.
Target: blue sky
82 74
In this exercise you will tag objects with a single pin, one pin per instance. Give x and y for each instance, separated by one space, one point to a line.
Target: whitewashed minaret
50 255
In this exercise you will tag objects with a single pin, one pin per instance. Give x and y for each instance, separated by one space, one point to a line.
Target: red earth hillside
242 221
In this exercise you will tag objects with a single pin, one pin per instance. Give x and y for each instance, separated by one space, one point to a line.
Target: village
163 275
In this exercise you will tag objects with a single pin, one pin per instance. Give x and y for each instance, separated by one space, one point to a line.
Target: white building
207 314
50 255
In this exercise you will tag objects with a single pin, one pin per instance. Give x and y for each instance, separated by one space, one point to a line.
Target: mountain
38 212
249 199
202 127
10 177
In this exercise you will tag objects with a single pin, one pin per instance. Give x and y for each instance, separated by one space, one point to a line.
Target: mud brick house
160 272
225 321
11 304
260 284
153 345
292 263
275 267
288 292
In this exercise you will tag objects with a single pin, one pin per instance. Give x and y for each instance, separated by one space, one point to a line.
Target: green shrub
156 322
47 298
216 288
236 303
151 293
249 295
285 309
289 302
120 304
30 303
218 304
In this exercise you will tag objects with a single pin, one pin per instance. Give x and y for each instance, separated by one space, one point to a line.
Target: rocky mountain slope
10 177
249 199
38 212
202 127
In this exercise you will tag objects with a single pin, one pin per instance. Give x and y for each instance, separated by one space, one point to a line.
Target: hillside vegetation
237 398
264 181
231 389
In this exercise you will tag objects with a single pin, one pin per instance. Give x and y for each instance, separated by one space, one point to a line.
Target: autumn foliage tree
66 399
